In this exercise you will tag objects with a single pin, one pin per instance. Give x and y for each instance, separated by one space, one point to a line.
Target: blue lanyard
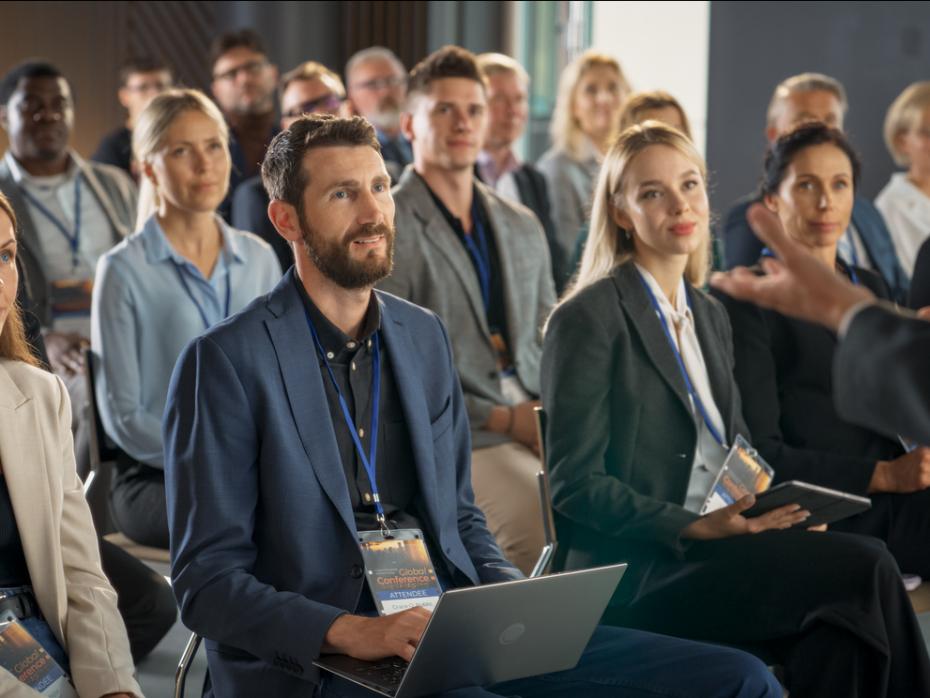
479 253
681 364
370 459
74 239
190 294
850 272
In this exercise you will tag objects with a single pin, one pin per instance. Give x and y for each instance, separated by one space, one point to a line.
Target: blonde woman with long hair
591 93
181 273
637 382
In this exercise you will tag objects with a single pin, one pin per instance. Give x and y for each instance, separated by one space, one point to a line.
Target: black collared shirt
496 312
13 570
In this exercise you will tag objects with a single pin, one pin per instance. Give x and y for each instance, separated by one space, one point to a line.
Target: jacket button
492 374
682 455
355 572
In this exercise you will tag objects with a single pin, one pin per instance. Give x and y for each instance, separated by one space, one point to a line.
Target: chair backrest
102 449
184 666
545 500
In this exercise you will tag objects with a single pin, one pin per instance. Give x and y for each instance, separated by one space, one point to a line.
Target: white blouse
906 210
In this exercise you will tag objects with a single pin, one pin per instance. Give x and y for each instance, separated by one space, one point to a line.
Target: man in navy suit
268 436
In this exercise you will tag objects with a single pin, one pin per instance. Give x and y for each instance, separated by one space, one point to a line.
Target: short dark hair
283 173
241 38
32 68
447 62
141 64
783 151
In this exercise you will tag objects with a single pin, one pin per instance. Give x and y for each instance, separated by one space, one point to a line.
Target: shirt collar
21 177
334 340
681 310
488 168
158 249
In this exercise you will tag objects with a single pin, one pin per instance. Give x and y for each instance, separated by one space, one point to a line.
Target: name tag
399 570
743 472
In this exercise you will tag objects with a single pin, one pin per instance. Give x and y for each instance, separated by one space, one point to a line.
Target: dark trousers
829 607
622 663
138 505
903 522
144 598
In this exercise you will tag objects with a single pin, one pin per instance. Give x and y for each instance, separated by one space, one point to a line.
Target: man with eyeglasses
310 88
377 83
141 79
244 83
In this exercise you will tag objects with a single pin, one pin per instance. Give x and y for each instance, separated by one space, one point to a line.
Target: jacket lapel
446 243
25 462
416 413
303 384
105 203
26 233
639 309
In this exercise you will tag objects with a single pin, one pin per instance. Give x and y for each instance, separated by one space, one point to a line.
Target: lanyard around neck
698 403
73 238
848 269
190 293
476 242
370 459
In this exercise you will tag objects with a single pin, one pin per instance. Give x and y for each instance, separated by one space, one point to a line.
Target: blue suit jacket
742 247
263 545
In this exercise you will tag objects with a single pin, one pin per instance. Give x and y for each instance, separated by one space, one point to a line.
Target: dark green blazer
621 434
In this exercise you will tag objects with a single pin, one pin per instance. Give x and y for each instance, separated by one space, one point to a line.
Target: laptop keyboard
387 671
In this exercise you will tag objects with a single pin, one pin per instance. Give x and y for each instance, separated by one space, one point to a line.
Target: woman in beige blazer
50 575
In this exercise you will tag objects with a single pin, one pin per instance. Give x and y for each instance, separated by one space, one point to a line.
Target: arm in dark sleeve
920 282
740 245
577 381
212 485
882 373
757 376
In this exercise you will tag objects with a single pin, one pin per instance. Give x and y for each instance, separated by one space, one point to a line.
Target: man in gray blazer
482 264
69 211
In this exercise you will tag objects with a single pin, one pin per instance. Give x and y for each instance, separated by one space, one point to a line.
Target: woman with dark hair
784 366
50 575
638 385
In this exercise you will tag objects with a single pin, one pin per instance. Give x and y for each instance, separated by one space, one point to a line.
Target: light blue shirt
142 317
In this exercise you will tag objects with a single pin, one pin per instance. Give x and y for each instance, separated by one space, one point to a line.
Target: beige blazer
59 541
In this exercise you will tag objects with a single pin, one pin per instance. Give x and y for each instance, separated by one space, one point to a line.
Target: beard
335 262
387 117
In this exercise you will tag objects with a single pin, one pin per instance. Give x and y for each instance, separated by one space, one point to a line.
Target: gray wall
874 49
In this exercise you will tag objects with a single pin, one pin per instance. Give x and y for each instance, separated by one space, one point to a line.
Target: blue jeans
624 663
41 631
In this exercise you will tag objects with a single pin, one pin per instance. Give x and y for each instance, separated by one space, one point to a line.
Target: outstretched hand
729 521
796 283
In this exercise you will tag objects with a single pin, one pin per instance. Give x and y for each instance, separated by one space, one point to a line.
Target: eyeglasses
382 83
326 103
252 69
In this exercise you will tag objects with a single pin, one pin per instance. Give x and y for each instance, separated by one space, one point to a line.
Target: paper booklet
743 472
28 661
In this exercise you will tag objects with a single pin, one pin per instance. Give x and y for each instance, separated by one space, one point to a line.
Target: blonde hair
609 246
565 132
903 115
312 70
641 102
497 64
13 343
148 136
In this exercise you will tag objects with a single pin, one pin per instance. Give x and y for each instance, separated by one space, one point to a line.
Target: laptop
482 635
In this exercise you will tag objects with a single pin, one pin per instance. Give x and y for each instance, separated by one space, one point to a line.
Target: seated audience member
795 101
268 487
920 283
499 166
783 366
641 402
244 83
144 601
181 273
50 575
481 264
70 212
592 90
140 79
905 200
881 364
656 105
377 83
310 88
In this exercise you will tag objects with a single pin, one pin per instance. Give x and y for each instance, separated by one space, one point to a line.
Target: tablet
824 504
